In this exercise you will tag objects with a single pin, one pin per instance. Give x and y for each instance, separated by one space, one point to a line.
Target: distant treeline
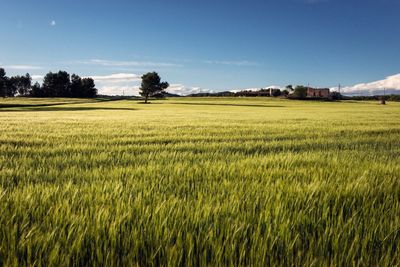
59 84
375 97
299 92
247 93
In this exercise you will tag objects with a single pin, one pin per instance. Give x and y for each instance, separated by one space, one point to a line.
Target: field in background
202 181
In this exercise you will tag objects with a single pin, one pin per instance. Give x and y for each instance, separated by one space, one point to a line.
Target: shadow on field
225 104
2 105
16 105
52 107
35 109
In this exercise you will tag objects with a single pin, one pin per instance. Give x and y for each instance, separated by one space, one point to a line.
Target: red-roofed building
318 92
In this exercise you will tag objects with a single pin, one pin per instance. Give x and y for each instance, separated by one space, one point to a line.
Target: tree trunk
145 98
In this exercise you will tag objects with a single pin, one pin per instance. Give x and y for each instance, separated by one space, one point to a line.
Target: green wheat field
199 182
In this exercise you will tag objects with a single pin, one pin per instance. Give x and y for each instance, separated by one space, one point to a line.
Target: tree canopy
152 85
3 81
300 92
21 84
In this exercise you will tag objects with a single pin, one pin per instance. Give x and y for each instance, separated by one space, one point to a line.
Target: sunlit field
199 181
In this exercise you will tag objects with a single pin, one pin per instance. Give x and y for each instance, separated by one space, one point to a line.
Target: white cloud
117 83
125 89
113 63
37 78
239 63
53 23
23 67
117 77
274 87
390 83
118 90
181 89
129 84
257 88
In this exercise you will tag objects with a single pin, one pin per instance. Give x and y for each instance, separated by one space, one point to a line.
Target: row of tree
246 93
59 84
263 92
9 87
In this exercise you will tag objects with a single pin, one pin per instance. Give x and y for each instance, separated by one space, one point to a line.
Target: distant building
318 92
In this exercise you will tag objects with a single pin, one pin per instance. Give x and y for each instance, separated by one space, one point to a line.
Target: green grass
203 181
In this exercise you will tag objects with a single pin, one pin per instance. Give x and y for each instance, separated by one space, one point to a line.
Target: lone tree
151 85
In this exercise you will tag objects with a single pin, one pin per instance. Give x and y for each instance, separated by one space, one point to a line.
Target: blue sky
206 45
